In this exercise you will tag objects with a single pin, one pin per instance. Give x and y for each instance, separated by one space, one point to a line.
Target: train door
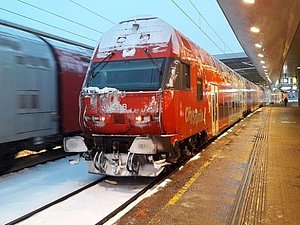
214 109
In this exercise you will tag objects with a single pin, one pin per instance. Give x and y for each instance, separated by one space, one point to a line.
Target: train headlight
146 119
99 120
138 119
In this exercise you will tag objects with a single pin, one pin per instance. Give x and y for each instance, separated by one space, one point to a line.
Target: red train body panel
151 95
73 67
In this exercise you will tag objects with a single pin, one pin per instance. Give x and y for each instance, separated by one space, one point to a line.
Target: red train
150 96
40 81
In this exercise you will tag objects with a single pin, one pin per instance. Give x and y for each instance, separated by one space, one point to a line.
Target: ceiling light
258 45
298 67
262 62
260 55
264 67
254 29
249 1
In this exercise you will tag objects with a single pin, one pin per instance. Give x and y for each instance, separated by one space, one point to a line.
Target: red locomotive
150 95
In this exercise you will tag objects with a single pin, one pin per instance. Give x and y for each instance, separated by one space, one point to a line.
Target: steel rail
59 200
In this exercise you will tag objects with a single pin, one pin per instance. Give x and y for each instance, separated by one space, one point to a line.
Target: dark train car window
199 89
20 60
221 111
34 101
31 60
174 80
9 44
44 63
225 109
179 76
22 102
186 75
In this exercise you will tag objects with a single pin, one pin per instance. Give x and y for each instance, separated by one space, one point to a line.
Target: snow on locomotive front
126 100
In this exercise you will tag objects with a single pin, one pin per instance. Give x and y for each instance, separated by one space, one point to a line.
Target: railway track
150 183
30 214
29 218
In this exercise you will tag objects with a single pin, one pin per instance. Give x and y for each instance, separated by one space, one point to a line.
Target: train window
221 111
9 44
34 101
199 88
20 59
128 75
174 71
32 61
186 75
22 101
44 63
225 108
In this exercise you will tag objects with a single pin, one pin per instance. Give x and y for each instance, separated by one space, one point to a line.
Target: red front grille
119 119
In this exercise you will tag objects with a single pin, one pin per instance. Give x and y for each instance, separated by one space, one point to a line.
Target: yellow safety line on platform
179 194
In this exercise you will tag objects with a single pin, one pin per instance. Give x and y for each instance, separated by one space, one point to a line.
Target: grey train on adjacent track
40 80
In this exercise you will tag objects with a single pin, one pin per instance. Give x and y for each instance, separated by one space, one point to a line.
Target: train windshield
127 75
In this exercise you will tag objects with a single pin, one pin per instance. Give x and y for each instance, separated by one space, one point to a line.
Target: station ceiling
241 64
278 36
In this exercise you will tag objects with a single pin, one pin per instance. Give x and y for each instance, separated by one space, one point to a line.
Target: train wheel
202 138
175 153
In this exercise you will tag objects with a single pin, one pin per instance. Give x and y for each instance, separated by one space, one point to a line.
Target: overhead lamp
264 67
255 29
298 67
249 1
260 55
262 62
258 45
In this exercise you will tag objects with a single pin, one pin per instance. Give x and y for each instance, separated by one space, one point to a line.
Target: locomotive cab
122 105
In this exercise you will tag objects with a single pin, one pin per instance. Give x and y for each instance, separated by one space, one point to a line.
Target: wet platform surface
249 175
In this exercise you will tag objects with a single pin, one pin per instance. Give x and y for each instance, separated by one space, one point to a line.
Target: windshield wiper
91 72
159 68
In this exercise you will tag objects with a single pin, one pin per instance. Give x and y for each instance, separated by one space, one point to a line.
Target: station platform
249 175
